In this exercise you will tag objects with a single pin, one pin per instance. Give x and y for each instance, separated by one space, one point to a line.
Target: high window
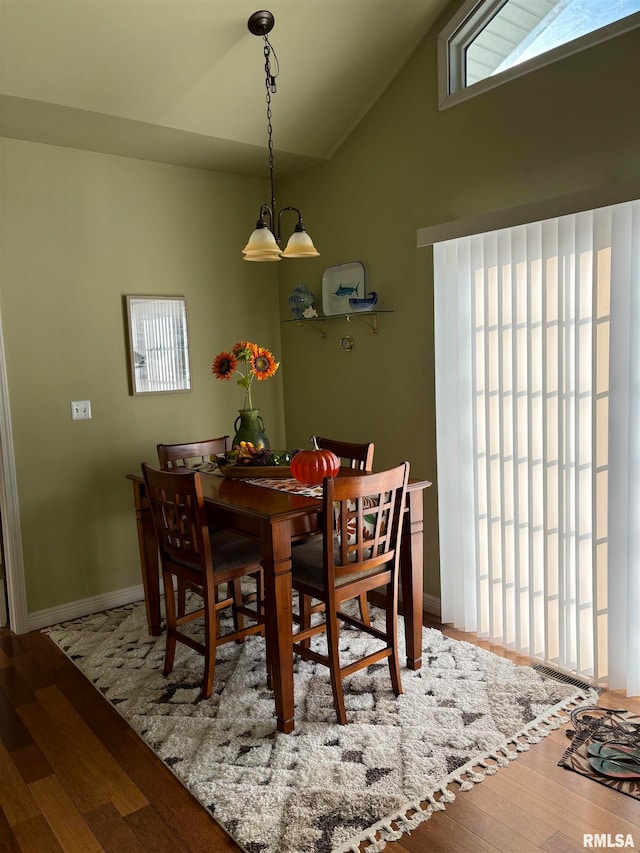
490 41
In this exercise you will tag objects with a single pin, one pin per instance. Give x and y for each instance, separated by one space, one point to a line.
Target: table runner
286 485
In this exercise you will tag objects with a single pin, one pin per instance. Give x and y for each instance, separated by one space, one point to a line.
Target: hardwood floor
74 778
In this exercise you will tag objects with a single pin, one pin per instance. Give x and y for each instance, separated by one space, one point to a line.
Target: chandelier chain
270 85
262 245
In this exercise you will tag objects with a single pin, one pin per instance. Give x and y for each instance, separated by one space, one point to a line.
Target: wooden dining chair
199 561
358 456
358 551
192 453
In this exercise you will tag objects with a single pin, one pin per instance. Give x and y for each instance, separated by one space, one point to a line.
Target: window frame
466 24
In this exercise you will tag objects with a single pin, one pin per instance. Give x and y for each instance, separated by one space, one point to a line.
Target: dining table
277 518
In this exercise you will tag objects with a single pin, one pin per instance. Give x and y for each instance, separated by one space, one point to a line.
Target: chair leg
364 608
392 640
268 662
210 636
260 591
333 638
304 606
182 599
238 618
170 613
261 608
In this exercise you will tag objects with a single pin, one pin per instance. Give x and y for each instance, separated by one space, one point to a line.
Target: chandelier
265 241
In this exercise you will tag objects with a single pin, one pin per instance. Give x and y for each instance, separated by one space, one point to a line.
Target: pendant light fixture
265 241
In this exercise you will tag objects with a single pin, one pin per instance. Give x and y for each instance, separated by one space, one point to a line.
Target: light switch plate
80 410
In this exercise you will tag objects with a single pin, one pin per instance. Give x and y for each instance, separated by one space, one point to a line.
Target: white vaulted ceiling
182 81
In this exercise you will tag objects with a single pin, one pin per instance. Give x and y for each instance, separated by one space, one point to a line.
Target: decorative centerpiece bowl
248 461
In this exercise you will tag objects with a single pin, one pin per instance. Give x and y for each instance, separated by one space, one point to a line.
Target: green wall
570 126
79 230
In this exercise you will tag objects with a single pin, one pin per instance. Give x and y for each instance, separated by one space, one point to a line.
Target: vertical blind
537 336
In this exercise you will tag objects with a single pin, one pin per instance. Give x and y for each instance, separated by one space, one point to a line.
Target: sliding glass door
538 418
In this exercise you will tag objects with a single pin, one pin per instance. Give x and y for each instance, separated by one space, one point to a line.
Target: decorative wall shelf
369 318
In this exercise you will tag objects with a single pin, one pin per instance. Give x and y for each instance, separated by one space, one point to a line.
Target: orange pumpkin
310 467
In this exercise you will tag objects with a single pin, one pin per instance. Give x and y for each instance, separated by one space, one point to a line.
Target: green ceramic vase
249 426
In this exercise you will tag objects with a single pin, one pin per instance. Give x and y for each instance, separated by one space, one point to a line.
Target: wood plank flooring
75 778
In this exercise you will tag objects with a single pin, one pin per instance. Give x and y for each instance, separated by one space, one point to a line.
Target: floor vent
558 675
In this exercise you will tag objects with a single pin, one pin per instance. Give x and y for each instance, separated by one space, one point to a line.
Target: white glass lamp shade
262 246
300 245
256 256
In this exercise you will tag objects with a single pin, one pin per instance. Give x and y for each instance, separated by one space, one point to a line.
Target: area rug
325 788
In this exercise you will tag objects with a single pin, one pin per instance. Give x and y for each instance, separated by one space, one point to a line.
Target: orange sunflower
244 350
224 365
263 364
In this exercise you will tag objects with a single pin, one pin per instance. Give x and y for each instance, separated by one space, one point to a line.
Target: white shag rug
325 788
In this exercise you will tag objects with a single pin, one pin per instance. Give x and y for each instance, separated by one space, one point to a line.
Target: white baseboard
431 604
84 607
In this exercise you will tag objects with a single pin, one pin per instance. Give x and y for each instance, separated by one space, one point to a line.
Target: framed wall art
159 357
